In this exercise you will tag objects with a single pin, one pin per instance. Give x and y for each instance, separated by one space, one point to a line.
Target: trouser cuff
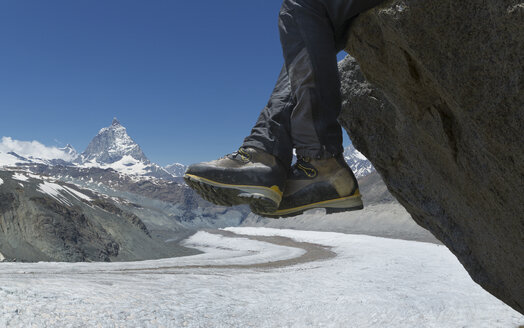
284 158
320 153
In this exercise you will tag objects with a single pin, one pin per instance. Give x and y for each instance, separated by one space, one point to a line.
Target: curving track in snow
261 278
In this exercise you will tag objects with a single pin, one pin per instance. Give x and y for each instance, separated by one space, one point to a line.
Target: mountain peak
360 165
176 169
70 151
111 145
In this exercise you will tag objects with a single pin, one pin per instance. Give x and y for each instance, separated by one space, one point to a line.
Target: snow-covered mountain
113 148
176 169
360 165
69 151
14 152
111 145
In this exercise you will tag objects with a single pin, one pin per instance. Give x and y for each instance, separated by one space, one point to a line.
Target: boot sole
345 204
260 199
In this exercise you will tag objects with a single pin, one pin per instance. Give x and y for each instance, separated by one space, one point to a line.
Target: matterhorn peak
111 145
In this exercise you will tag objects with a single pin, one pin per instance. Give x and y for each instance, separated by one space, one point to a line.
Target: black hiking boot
248 176
319 183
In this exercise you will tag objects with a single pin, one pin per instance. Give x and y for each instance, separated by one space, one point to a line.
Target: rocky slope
449 143
42 219
162 204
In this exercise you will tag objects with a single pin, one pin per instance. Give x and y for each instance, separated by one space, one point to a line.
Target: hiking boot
248 176
319 183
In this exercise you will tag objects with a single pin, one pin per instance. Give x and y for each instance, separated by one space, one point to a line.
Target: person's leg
256 173
301 113
310 36
271 132
308 42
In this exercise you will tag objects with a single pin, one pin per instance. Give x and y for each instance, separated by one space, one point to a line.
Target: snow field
58 192
372 282
20 177
127 164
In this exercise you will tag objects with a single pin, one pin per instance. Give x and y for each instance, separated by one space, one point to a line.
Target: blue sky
187 78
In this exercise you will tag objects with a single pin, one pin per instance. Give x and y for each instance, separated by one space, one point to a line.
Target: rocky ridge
42 219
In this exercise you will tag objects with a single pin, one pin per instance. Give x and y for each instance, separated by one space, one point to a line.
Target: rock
448 138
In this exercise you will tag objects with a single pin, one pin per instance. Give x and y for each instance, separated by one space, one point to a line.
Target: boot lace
239 155
302 167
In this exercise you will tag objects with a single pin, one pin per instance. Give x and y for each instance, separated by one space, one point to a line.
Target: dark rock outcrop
450 145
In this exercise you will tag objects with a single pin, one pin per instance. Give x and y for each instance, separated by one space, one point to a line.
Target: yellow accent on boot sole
354 201
272 192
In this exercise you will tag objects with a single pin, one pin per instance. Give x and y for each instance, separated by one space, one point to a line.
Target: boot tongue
240 155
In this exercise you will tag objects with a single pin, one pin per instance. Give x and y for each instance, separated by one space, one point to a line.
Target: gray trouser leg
272 129
309 47
303 109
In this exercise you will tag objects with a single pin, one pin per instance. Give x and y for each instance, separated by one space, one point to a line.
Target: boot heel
331 210
352 203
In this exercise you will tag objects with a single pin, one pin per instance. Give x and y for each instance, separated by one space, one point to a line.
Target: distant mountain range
113 148
108 187
360 165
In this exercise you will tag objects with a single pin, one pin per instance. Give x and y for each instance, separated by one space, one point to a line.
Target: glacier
370 282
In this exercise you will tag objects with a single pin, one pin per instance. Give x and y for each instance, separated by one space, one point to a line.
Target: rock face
450 146
113 148
111 144
45 220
